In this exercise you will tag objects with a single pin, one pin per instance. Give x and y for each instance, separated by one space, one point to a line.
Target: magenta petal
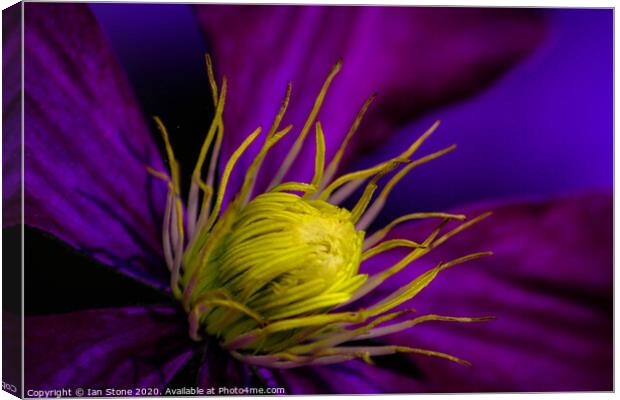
121 348
87 145
549 285
414 58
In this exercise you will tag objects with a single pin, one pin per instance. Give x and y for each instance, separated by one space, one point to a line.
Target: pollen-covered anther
267 274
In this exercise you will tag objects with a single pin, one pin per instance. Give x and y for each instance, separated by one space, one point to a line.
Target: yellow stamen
389 245
362 174
390 329
333 165
414 287
380 234
273 136
461 228
196 176
211 76
226 175
295 187
174 166
363 202
319 160
292 155
211 133
374 210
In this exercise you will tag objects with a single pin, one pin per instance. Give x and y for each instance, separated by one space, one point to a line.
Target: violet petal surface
87 146
132 347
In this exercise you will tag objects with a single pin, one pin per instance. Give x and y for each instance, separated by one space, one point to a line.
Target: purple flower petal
11 116
120 348
549 285
220 369
87 146
415 58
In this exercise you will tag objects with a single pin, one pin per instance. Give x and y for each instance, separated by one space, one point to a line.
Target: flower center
267 274
280 256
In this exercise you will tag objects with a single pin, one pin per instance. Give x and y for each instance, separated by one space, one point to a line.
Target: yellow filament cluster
267 274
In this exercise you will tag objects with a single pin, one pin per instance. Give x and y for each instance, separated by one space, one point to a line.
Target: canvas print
225 199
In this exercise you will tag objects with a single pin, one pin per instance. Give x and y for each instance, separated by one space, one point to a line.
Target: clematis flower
87 149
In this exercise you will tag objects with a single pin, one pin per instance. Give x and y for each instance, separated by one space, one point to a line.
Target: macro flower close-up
314 199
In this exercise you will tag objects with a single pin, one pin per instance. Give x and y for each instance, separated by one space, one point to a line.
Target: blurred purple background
543 129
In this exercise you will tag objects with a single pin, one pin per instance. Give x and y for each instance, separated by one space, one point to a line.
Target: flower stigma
273 276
